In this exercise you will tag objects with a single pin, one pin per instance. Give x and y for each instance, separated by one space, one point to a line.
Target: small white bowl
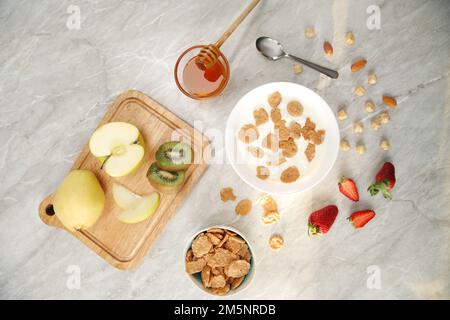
196 278
314 106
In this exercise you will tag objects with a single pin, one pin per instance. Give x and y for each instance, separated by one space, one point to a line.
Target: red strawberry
348 188
320 221
384 181
360 218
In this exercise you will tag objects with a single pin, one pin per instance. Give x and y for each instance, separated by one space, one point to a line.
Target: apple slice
119 146
124 198
136 208
143 209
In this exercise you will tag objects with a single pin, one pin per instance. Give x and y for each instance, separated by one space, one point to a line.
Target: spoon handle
328 72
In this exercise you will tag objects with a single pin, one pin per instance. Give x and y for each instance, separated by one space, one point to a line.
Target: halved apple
135 208
119 146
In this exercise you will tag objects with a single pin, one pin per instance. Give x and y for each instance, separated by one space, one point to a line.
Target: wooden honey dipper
209 54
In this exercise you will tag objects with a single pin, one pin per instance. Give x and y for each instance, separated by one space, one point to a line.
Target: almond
358 65
328 48
390 101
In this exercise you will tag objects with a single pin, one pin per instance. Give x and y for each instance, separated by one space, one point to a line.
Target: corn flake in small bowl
219 261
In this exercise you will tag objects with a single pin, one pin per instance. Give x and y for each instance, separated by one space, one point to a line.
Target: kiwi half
174 156
165 181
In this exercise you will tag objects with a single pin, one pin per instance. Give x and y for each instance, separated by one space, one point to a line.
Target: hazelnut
369 106
349 38
376 123
384 144
384 117
345 146
297 68
358 127
360 148
359 91
372 78
309 32
342 114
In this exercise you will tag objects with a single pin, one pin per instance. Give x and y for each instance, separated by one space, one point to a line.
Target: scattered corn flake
224 239
309 124
216 230
195 266
288 148
275 115
384 144
277 162
360 148
215 240
238 268
295 108
297 67
271 217
201 245
283 131
221 291
218 281
206 276
310 151
227 194
345 146
221 258
317 136
262 172
236 282
256 152
290 174
276 242
234 244
270 142
268 203
274 99
295 130
261 116
248 133
244 207
189 255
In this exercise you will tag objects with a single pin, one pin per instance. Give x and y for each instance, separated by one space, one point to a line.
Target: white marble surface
56 84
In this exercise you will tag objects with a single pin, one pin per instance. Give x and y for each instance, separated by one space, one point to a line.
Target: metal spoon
273 50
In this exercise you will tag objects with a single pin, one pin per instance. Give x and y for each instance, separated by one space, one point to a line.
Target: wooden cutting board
125 245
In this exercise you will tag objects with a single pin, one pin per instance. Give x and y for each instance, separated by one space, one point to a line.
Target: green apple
79 200
119 146
135 208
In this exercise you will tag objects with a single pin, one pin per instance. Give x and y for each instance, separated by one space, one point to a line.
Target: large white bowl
314 106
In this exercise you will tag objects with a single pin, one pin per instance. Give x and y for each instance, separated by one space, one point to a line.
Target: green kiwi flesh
165 181
174 156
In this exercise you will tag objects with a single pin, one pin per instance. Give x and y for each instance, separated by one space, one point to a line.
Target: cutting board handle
47 213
